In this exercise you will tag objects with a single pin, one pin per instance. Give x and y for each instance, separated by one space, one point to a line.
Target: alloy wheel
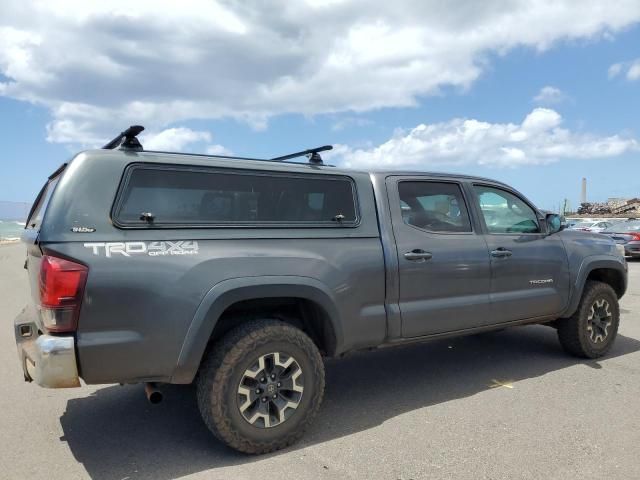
270 390
599 320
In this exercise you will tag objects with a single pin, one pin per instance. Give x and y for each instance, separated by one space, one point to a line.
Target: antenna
127 140
313 155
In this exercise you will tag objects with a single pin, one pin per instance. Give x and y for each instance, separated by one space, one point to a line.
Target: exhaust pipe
153 394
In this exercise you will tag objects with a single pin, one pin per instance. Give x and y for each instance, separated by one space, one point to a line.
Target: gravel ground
506 405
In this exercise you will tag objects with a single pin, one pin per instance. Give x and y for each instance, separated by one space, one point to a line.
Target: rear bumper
48 360
632 249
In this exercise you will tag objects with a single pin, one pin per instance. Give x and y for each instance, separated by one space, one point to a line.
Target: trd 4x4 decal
152 249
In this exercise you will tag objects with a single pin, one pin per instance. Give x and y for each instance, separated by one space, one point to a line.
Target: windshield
629 226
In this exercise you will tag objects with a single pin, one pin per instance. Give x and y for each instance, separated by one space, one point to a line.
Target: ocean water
10 229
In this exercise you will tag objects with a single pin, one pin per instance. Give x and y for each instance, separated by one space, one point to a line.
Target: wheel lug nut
273 376
275 396
264 399
262 380
279 384
258 390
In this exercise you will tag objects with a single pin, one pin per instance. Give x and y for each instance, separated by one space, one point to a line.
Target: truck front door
443 264
529 269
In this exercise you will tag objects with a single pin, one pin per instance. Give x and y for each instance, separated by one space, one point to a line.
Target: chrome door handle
418 254
501 253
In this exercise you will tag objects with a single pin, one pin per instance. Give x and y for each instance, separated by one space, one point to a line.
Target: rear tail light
61 289
635 236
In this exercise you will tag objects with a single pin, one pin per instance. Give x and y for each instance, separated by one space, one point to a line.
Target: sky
535 94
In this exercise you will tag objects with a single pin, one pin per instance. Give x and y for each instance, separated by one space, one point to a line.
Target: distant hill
14 210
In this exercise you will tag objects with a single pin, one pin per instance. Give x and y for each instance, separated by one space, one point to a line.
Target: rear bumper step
48 360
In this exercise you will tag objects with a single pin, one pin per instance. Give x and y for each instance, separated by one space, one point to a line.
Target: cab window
504 212
434 206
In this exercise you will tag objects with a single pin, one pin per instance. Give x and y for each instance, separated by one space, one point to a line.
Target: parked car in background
626 234
595 227
570 223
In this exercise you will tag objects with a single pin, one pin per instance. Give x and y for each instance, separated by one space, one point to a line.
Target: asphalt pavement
502 405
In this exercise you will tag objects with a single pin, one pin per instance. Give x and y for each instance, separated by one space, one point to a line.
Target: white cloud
99 66
218 150
630 70
549 96
634 71
539 139
182 139
173 139
614 70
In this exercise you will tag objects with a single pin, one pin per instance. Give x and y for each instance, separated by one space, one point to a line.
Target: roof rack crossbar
312 153
127 140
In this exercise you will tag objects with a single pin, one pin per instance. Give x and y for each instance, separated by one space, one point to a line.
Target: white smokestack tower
583 195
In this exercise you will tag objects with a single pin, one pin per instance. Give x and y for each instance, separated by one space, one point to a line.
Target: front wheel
260 386
592 329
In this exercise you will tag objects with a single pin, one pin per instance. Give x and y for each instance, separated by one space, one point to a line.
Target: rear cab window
178 196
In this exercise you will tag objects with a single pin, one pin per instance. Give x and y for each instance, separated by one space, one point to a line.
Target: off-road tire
573 332
221 372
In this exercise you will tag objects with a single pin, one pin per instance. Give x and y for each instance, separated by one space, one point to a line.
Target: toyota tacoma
241 275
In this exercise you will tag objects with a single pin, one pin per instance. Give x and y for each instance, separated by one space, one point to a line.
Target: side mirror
554 223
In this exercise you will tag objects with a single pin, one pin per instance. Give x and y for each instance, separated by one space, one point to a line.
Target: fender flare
224 294
589 264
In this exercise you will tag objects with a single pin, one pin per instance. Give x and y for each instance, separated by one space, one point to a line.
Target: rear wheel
260 386
592 329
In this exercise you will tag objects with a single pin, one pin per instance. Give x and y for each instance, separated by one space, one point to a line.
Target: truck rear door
443 265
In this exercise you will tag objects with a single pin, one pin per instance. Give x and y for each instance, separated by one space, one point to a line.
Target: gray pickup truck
242 274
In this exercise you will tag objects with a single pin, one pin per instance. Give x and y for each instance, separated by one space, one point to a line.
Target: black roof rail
312 153
127 140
